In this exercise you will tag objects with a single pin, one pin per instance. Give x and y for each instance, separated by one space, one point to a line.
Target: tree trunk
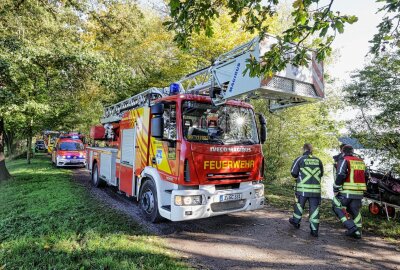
4 174
9 142
29 143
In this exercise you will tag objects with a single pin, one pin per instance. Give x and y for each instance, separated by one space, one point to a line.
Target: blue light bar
174 89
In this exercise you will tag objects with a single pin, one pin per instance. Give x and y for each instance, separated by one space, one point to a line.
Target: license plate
74 161
230 197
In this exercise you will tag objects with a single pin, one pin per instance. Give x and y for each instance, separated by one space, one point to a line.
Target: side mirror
263 128
157 109
157 127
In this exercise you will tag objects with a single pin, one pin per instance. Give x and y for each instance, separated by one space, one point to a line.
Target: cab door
164 152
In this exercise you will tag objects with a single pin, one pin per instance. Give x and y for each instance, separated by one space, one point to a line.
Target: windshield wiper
245 142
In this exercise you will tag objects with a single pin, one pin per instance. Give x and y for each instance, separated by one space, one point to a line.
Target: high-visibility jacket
308 171
351 177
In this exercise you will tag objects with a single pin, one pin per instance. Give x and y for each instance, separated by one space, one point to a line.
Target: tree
375 90
310 21
388 30
44 64
289 129
4 174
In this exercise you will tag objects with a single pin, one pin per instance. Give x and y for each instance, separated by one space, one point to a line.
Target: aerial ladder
225 80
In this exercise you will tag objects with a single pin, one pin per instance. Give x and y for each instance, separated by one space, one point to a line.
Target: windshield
71 146
225 124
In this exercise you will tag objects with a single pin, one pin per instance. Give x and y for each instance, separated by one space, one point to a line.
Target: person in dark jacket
349 190
338 157
308 171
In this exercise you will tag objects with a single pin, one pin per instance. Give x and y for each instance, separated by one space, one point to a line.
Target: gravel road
257 240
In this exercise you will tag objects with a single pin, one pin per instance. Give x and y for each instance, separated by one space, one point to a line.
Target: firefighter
308 171
349 188
338 157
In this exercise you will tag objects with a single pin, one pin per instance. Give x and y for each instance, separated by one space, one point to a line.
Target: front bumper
64 162
212 205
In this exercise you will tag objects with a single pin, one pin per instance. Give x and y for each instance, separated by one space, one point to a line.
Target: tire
374 208
391 211
96 181
149 202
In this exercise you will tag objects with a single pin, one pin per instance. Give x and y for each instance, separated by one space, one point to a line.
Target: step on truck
194 149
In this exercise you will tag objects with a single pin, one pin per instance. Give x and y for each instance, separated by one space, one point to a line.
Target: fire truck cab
184 158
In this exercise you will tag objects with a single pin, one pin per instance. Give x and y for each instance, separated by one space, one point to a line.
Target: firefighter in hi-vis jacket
308 171
349 188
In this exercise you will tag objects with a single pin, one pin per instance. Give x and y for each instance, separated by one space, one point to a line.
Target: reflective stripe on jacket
351 177
308 170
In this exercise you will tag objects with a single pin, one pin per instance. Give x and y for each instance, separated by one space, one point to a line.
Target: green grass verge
282 197
48 221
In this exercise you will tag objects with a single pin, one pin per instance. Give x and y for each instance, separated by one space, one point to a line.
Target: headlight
188 200
60 156
259 192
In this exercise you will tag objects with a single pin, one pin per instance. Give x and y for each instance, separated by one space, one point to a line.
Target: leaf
339 26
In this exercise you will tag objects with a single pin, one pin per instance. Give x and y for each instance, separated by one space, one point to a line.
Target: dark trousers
348 211
314 203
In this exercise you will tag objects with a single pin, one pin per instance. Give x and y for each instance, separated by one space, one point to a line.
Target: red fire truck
191 151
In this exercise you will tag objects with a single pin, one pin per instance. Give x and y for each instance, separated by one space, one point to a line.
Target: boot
354 232
296 225
314 233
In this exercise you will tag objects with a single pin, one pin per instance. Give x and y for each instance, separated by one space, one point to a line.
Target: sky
352 45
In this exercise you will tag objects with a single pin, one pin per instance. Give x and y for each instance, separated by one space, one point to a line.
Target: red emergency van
69 153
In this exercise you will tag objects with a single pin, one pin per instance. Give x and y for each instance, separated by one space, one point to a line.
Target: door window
128 146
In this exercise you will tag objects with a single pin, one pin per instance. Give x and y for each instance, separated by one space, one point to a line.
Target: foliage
49 221
375 90
310 20
388 30
289 129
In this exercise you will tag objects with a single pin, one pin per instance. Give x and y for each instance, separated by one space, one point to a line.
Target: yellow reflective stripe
299 207
355 192
337 202
307 175
357 187
313 227
355 165
315 190
343 219
358 218
296 216
316 212
309 185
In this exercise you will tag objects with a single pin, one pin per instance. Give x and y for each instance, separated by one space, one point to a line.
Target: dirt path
258 240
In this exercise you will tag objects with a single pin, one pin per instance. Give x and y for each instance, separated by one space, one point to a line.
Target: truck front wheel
149 202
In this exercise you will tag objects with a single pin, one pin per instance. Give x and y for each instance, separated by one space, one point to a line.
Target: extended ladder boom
224 80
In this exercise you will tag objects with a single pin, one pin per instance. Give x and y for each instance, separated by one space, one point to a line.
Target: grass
48 221
282 197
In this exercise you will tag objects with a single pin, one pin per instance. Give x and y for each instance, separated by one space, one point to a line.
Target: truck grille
228 176
227 206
